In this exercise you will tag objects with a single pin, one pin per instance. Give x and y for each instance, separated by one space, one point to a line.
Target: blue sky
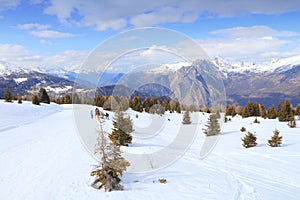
58 33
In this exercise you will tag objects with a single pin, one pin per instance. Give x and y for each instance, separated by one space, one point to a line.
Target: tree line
284 111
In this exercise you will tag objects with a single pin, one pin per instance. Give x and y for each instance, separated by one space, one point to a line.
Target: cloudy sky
62 33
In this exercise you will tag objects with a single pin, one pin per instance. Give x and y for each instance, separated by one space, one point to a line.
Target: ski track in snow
42 157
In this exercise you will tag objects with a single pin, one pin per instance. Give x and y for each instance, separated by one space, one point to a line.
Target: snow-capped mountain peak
8 68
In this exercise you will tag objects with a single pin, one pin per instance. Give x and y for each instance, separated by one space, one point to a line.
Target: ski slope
43 157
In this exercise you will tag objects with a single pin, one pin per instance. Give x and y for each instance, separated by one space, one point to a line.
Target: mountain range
267 83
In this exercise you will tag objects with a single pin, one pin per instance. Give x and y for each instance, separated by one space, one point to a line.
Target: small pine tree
35 100
186 118
256 121
249 140
122 128
275 140
7 96
43 96
292 123
213 126
20 100
243 129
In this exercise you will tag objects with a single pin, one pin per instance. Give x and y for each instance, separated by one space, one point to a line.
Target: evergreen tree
292 122
75 98
272 114
122 128
275 140
43 96
213 126
7 95
111 164
177 107
147 104
249 140
256 110
20 100
67 99
285 113
99 101
186 118
297 110
35 100
123 104
263 112
136 104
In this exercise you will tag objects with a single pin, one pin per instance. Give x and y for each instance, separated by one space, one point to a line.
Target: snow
20 80
58 89
43 157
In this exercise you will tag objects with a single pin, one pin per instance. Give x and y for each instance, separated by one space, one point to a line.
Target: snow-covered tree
275 140
213 126
186 118
249 140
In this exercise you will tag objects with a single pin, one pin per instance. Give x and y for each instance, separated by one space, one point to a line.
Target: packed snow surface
43 157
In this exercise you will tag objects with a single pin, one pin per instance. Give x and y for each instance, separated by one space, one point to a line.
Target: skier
91 114
106 115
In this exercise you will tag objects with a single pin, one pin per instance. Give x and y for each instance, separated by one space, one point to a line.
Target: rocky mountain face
266 88
201 83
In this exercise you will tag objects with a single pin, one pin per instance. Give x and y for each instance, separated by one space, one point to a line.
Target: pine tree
43 96
249 140
20 100
122 128
111 164
177 107
292 122
136 104
67 99
75 98
263 112
147 104
35 100
213 126
285 111
272 114
275 140
297 110
186 118
7 95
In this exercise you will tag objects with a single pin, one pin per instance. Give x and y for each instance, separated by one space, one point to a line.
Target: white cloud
8 4
10 52
253 31
51 34
118 14
19 55
43 41
33 26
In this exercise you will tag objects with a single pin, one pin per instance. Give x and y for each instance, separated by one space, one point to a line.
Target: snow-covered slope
42 157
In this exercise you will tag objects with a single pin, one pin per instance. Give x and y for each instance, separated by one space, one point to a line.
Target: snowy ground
42 157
